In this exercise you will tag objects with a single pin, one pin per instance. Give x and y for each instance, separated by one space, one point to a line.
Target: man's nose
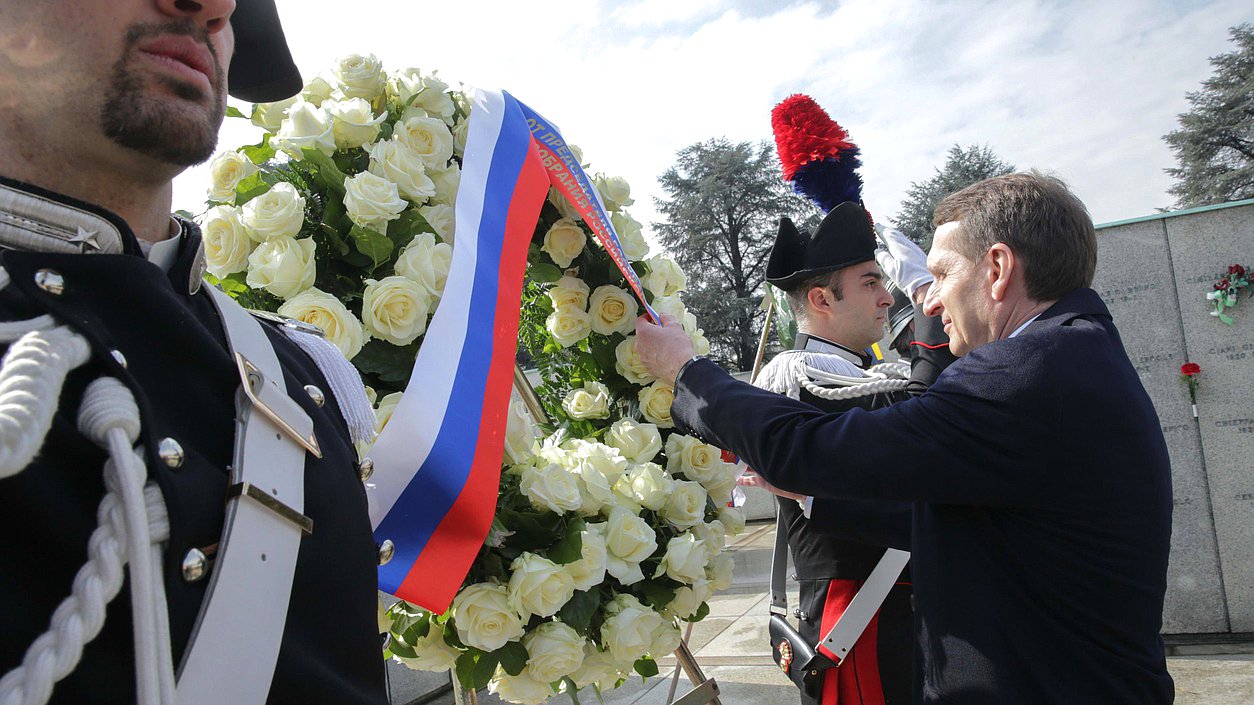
931 303
213 15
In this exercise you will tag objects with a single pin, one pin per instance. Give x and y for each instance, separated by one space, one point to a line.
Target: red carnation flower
1236 270
1222 284
1189 369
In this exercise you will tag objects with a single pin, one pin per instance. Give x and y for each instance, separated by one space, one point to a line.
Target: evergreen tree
1214 145
963 167
722 207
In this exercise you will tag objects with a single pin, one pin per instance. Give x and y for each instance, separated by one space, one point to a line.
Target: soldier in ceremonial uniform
113 342
837 293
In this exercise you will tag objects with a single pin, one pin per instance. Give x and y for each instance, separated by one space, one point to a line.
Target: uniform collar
34 219
811 342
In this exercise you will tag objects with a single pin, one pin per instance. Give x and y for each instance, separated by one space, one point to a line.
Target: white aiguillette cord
235 644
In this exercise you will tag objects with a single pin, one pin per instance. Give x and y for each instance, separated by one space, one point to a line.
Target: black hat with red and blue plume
820 161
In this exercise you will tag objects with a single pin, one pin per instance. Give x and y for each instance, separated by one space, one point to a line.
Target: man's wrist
685 366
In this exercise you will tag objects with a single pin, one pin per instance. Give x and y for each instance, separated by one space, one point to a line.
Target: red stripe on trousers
857 680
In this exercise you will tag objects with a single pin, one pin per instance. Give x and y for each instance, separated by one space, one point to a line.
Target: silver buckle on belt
253 382
248 489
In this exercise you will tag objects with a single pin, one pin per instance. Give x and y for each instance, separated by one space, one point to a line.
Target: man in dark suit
1036 466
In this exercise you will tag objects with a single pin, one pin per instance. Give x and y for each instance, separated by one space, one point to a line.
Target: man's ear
1002 266
819 298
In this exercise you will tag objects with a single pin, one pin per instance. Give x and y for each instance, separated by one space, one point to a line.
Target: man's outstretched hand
752 479
663 349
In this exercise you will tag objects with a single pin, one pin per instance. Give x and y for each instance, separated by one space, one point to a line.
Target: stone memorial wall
1154 273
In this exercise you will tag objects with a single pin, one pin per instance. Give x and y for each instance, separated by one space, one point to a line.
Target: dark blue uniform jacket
1042 506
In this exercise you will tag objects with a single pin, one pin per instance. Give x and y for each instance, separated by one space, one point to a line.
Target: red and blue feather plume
815 153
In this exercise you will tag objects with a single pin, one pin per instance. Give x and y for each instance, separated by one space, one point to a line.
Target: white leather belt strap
862 608
235 644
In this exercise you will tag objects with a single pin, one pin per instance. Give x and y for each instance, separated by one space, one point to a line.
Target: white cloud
1085 90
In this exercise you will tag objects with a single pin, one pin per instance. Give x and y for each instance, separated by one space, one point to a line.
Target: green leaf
544 272
232 111
261 152
372 244
465 669
571 689
570 548
328 173
402 649
485 667
655 593
646 667
578 610
512 656
249 188
391 363
603 351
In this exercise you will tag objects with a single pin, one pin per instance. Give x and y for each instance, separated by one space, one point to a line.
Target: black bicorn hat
262 69
844 238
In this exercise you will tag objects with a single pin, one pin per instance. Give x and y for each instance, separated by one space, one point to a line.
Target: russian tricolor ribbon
437 463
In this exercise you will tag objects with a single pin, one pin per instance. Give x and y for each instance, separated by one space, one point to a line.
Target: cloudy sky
1082 89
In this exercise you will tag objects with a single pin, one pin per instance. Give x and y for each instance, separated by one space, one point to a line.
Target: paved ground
730 646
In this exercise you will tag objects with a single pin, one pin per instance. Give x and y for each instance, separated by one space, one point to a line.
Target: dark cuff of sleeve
684 368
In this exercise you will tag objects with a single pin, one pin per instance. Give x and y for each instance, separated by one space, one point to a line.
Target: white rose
306 127
440 217
434 654
550 487
446 181
613 310
405 83
563 205
614 190
538 586
359 76
372 201
595 489
383 412
607 460
669 305
628 629
282 266
569 291
655 403
719 571
712 534
317 91
685 506
554 651
435 99
687 601
628 363
696 460
321 309
521 433
666 638
564 241
429 137
521 688
591 402
733 519
589 571
723 484
568 325
279 212
647 484
630 236
628 540
638 442
460 131
225 172
665 278
269 116
700 344
353 122
685 559
401 165
395 309
426 261
227 243
598 668
484 618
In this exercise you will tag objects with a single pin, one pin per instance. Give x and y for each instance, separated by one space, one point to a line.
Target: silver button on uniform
386 550
194 565
316 394
365 469
170 452
50 281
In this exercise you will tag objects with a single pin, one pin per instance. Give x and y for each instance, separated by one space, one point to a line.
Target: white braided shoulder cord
132 516
886 377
